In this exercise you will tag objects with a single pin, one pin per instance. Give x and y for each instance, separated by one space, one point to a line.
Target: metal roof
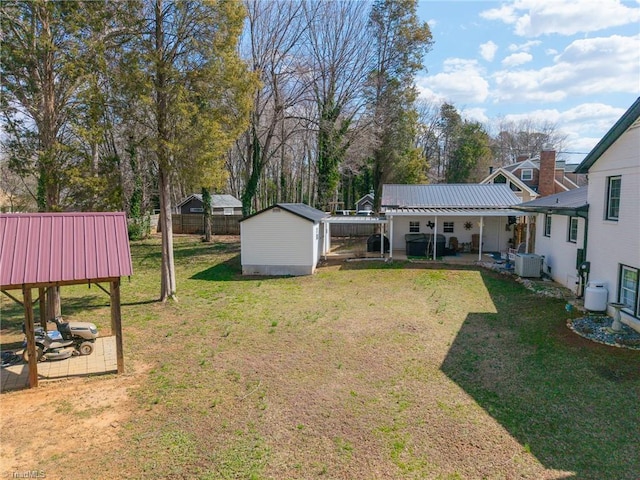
299 209
570 202
448 196
454 212
49 248
217 200
627 120
355 219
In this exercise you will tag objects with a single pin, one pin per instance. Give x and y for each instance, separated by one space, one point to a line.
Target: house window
526 174
547 225
448 227
228 210
573 230
196 209
629 289
414 227
613 197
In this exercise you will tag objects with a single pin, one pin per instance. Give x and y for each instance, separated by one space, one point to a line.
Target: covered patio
40 251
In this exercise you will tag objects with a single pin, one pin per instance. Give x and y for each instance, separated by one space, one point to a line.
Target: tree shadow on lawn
572 403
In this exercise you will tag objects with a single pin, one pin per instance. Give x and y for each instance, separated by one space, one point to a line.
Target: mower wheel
86 348
25 354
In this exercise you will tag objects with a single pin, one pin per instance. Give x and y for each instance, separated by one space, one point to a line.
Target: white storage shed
283 239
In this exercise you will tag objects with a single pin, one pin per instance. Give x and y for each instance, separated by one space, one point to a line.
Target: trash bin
441 243
373 243
595 297
416 244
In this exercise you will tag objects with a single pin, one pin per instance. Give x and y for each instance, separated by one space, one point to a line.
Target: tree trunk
168 274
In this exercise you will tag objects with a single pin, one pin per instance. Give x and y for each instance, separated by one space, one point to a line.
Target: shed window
613 197
547 225
448 227
414 227
228 210
526 174
573 230
629 288
196 209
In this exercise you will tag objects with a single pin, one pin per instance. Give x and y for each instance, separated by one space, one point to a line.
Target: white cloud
488 51
516 59
533 18
578 123
585 67
462 80
475 114
524 47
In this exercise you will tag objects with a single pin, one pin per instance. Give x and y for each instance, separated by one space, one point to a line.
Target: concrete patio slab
102 360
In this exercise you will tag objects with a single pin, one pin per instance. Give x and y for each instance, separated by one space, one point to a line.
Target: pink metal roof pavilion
39 250
62 248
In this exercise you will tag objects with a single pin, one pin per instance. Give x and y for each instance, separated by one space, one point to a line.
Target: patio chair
522 248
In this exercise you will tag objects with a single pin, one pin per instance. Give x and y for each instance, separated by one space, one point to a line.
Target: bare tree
340 59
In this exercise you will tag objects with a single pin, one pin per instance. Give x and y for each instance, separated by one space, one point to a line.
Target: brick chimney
546 185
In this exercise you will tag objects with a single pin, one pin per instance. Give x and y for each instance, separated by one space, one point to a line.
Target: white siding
279 238
613 243
495 236
559 254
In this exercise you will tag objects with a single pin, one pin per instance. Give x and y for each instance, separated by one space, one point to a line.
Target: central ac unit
528 265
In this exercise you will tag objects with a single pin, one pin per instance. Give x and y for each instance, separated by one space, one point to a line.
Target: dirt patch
61 423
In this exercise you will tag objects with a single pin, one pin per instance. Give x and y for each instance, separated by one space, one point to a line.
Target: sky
575 63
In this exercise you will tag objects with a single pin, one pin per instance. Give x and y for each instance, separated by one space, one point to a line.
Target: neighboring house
613 237
220 205
560 234
479 217
365 204
538 177
283 239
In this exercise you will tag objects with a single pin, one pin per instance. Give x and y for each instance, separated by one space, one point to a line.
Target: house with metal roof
542 175
613 237
560 235
474 217
221 204
283 239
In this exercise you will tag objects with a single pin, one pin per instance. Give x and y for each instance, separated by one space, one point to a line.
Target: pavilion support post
43 308
30 334
116 322
390 237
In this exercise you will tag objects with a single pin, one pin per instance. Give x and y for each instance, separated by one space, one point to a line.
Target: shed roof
217 200
55 248
300 209
448 196
565 203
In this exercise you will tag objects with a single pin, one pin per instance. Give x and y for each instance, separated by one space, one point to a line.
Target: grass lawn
361 371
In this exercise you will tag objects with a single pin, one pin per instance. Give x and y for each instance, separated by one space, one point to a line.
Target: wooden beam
43 308
31 342
84 281
12 297
116 322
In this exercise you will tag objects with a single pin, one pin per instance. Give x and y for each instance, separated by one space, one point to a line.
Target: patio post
480 242
391 237
29 331
435 236
526 235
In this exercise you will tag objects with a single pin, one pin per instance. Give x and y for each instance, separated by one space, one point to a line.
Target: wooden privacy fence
352 229
194 223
